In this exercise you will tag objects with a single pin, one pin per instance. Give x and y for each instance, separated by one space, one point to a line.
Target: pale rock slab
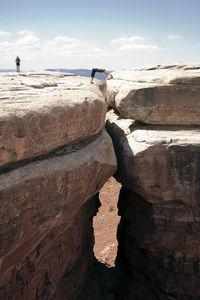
40 112
159 163
164 95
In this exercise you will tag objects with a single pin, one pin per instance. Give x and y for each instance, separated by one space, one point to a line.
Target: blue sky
109 34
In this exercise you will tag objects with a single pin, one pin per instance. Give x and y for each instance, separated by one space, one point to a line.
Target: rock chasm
56 154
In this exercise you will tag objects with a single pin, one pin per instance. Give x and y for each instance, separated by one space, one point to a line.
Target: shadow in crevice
103 284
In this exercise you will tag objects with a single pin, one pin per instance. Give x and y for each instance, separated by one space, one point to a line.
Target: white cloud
26 32
36 52
174 37
5 44
132 39
133 43
27 40
129 47
4 34
64 39
66 42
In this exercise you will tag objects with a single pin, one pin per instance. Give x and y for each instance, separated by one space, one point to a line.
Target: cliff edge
55 156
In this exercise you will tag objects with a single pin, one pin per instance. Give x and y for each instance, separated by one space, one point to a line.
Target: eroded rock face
162 95
45 193
158 167
54 263
48 191
158 248
159 163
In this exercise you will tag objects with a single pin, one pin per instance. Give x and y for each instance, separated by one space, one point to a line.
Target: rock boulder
163 95
159 163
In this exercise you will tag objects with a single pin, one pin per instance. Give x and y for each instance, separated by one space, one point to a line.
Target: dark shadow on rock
104 283
119 143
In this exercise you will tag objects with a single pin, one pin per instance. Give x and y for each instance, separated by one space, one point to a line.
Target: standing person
99 71
17 60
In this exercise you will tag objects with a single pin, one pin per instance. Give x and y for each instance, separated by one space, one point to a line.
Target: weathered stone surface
158 163
159 168
158 248
163 95
158 235
58 263
43 194
39 205
40 112
55 156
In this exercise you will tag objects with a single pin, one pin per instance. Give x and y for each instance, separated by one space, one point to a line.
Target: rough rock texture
158 249
47 196
55 263
42 194
159 169
159 163
40 112
162 95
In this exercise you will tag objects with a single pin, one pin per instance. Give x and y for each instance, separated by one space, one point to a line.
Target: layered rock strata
55 156
158 167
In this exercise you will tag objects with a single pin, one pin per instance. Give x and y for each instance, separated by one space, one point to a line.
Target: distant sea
80 72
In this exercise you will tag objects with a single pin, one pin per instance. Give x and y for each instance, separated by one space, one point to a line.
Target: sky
109 34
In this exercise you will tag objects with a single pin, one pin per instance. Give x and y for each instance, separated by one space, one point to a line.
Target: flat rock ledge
168 95
40 112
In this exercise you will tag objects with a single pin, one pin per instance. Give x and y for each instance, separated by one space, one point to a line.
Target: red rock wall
58 267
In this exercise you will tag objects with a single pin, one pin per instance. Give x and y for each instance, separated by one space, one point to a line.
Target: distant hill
81 72
7 70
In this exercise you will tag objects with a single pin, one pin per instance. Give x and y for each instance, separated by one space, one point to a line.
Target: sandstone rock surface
159 169
158 235
42 194
40 112
49 189
163 95
158 249
158 163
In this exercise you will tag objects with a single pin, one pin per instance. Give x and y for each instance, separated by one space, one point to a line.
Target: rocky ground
105 223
